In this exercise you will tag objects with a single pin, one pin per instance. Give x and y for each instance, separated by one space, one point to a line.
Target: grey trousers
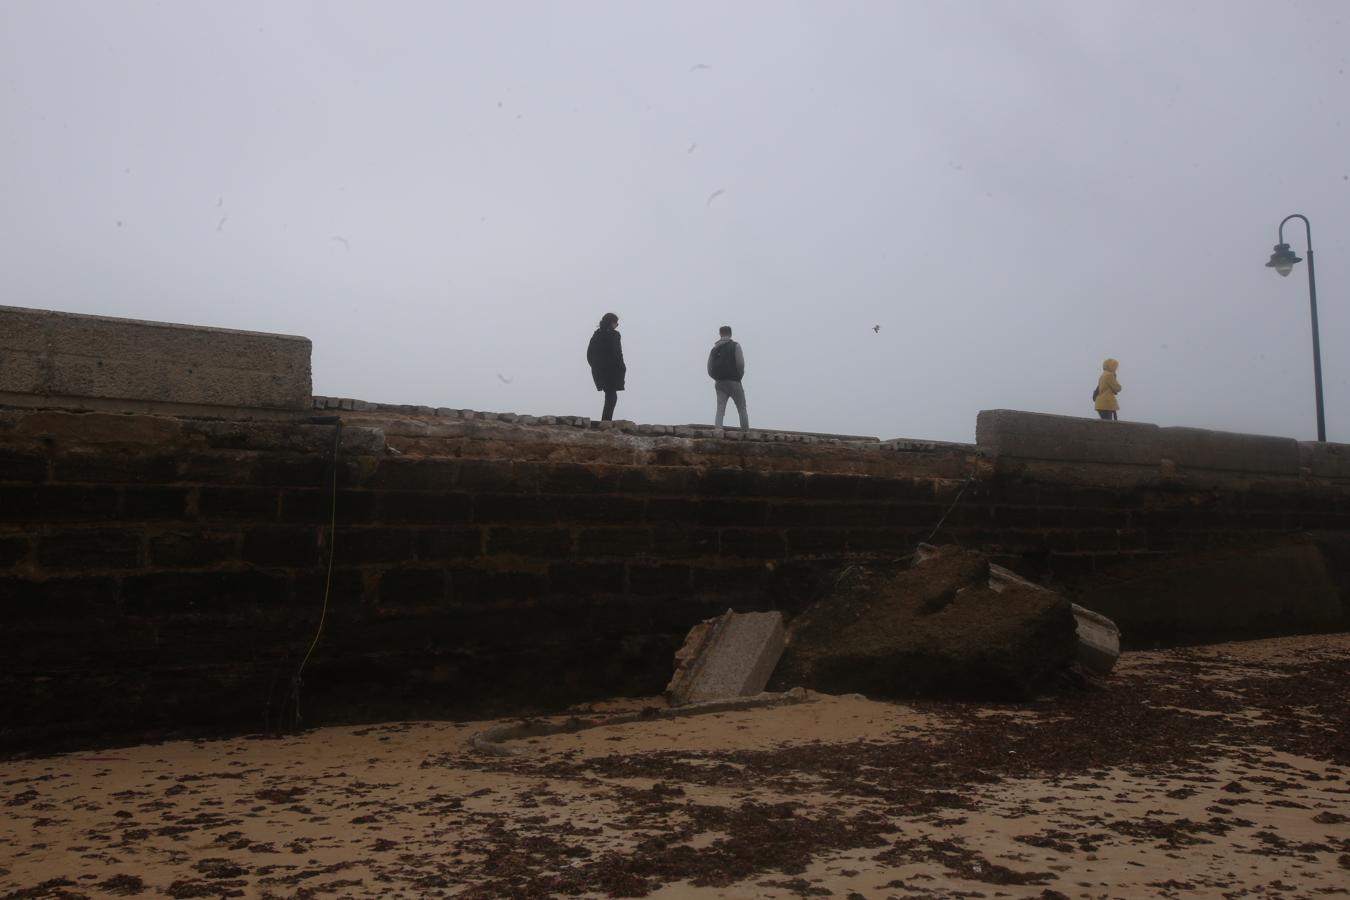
736 392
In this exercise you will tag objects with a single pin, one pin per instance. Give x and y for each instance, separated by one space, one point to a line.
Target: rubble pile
936 629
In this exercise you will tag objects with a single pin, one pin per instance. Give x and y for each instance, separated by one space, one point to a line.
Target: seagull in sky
877 329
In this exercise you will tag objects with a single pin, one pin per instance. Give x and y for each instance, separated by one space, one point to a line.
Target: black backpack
722 367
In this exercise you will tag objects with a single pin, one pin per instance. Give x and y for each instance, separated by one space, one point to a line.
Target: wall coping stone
1013 435
51 358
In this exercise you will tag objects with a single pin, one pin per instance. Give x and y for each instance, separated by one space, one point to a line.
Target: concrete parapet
1024 435
68 359
1324 460
1256 454
1066 439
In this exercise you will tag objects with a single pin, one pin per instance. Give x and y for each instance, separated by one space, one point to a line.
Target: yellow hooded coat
1107 387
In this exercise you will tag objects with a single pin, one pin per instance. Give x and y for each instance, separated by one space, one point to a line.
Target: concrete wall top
55 355
1326 460
1067 439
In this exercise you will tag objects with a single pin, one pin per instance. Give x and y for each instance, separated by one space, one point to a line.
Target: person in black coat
605 355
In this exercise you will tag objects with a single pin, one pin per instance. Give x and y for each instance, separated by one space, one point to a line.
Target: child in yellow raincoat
1104 397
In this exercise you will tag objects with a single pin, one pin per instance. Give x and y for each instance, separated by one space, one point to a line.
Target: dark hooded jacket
605 355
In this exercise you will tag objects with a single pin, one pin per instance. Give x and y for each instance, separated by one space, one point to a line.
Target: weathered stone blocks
489 544
66 355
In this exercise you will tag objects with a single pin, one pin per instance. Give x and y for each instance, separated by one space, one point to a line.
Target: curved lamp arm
1306 227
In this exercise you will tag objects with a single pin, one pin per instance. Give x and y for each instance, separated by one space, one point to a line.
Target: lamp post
1282 261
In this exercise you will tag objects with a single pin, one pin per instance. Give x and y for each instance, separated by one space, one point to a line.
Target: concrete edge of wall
416 420
364 434
1013 435
69 359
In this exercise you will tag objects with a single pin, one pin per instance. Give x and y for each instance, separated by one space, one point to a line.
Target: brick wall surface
100 359
165 574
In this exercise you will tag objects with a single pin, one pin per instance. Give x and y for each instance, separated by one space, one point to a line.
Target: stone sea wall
166 573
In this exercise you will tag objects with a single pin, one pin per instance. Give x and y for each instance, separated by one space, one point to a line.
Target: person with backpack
726 367
1104 397
605 357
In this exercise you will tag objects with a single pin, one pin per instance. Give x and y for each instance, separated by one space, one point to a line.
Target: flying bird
692 148
503 379
220 226
714 195
697 66
877 329
342 241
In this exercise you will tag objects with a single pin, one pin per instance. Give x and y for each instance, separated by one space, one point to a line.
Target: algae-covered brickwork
162 573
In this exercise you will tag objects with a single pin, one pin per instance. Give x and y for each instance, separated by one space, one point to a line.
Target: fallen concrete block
730 656
1098 640
936 629
1098 636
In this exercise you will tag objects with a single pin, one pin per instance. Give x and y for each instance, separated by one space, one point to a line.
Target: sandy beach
1206 772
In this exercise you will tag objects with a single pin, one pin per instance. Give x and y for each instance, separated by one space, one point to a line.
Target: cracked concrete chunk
730 656
1098 640
1098 637
942 627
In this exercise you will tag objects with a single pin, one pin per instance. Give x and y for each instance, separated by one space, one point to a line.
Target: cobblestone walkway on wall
1212 772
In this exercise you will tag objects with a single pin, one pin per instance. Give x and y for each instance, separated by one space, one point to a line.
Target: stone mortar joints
493 740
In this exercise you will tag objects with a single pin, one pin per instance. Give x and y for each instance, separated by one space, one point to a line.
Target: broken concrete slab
935 629
730 656
1098 636
1098 640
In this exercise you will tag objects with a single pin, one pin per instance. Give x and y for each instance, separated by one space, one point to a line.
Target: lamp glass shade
1283 259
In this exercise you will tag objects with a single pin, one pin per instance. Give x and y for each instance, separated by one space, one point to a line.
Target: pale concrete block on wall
66 355
1026 435
1325 460
1196 448
1036 436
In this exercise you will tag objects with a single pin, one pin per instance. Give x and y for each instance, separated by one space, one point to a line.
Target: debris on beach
730 656
940 628
1098 636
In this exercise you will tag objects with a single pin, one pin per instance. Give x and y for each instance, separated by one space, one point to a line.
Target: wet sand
1210 772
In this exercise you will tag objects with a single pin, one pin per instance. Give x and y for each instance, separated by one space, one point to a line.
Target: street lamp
1282 261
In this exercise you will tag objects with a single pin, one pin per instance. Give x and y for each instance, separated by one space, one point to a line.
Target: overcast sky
446 196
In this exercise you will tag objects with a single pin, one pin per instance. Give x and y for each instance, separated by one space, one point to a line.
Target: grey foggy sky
1012 191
